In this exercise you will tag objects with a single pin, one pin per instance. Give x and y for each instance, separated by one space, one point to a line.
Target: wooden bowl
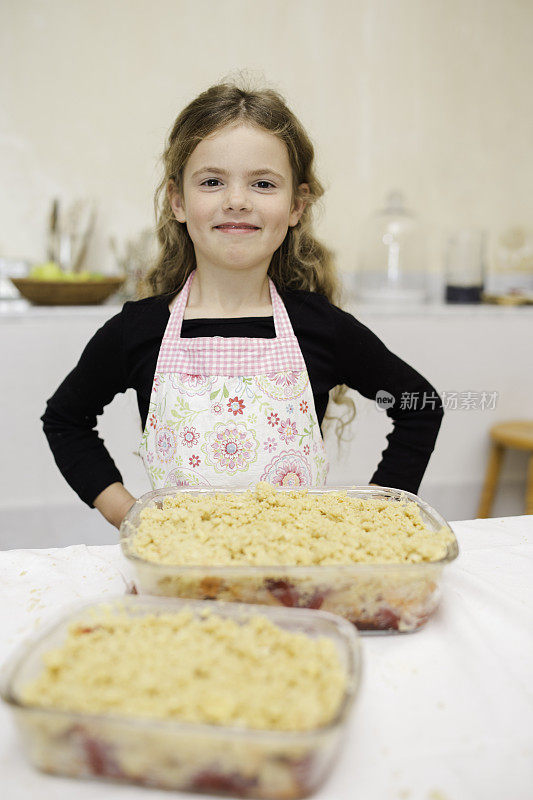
66 293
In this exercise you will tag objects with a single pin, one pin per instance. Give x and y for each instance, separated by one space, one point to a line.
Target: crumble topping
264 527
203 669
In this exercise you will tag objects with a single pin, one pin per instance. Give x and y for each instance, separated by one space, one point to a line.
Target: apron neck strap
282 323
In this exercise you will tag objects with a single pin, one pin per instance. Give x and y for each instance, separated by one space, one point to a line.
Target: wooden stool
517 434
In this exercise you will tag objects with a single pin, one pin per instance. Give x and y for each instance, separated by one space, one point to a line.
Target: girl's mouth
236 229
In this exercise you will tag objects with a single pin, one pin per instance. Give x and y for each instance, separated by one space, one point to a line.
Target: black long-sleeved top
336 348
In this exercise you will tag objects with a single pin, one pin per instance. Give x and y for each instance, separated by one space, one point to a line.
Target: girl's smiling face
239 174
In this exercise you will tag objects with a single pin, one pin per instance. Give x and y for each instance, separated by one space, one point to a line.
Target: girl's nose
236 198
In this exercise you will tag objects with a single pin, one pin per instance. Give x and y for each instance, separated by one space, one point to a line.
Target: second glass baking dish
167 753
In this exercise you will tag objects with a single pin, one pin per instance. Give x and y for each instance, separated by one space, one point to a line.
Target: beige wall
430 95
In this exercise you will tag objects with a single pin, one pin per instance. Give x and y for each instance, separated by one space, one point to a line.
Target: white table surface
442 714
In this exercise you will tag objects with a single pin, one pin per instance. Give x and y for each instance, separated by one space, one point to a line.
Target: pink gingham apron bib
232 411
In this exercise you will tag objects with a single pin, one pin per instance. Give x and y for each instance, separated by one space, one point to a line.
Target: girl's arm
114 503
364 363
69 421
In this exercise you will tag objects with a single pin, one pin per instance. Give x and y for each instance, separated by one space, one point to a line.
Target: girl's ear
299 204
175 200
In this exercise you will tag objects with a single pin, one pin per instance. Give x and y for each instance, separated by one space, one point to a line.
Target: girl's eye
269 184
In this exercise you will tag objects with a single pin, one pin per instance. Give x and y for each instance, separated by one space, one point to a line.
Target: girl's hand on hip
114 503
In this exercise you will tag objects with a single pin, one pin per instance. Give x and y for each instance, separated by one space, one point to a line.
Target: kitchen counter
22 309
457 348
442 714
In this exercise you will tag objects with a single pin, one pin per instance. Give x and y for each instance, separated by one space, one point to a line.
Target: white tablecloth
442 714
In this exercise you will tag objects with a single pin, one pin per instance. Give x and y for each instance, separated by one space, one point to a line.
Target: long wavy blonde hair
301 261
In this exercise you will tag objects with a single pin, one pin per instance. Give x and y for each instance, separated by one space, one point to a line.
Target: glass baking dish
379 598
239 761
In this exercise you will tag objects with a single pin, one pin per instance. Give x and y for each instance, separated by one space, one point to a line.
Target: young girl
234 354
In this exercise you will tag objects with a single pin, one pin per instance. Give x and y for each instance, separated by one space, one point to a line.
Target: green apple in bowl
49 271
84 275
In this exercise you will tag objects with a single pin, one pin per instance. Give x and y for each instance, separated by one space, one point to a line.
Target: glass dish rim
347 631
383 492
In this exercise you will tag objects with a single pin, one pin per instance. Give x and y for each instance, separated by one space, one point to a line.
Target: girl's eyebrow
263 171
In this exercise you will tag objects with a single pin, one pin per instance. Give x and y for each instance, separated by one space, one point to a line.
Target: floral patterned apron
231 411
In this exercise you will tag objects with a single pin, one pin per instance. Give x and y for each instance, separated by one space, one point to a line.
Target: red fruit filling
384 620
98 755
288 595
212 781
301 769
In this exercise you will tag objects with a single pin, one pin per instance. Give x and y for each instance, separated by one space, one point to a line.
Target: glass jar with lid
392 255
465 265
